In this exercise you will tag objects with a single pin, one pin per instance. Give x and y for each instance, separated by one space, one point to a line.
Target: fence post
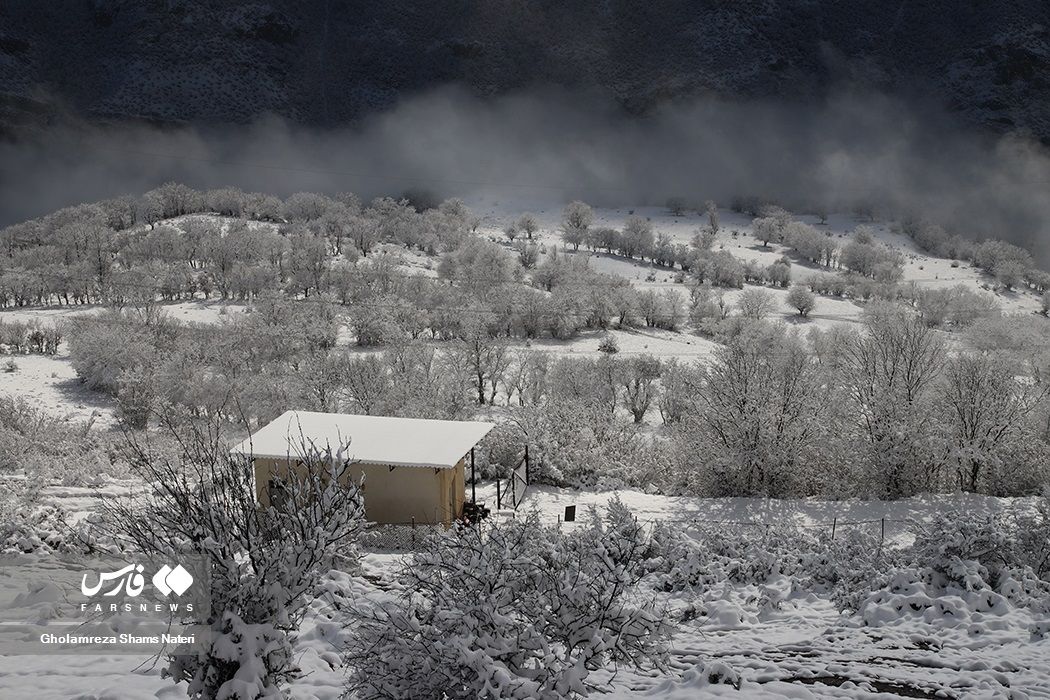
526 464
499 497
413 532
834 522
882 537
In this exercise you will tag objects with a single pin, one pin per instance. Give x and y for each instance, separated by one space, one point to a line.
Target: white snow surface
402 442
800 647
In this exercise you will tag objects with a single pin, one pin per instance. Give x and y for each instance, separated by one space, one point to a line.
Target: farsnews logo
130 581
168 580
129 578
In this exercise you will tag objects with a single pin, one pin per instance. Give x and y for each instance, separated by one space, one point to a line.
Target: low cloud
899 155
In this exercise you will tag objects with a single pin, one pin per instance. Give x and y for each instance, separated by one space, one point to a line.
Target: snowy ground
53 380
804 648
923 269
801 648
196 311
901 517
51 384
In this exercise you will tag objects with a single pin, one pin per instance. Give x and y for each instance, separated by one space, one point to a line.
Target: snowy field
52 379
775 639
736 237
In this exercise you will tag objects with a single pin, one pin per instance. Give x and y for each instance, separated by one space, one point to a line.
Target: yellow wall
394 495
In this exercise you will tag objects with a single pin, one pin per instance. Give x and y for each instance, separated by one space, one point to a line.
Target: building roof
401 442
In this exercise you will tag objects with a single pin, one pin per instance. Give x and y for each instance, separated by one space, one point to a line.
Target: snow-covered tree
800 298
576 220
755 416
305 206
891 372
528 225
713 222
637 238
755 304
987 407
766 229
263 564
638 376
515 610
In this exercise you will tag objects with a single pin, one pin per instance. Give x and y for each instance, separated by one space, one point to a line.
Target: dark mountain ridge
326 63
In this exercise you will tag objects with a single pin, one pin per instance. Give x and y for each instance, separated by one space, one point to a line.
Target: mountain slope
327 62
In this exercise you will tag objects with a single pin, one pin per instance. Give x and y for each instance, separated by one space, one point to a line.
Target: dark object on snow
475 512
570 514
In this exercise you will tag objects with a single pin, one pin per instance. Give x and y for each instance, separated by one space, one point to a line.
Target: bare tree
755 304
576 220
528 224
365 384
263 563
639 375
713 221
676 205
486 357
987 407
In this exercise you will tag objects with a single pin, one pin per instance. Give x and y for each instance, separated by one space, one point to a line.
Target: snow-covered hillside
793 597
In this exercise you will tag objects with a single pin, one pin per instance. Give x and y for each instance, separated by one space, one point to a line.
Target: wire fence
414 536
400 537
831 527
885 526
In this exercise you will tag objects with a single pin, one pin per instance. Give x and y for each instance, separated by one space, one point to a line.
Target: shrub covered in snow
974 552
516 610
18 337
966 571
263 564
706 555
46 449
25 529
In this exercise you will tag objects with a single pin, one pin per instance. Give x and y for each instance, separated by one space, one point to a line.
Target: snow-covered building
414 470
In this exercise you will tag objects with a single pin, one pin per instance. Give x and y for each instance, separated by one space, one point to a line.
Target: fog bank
553 146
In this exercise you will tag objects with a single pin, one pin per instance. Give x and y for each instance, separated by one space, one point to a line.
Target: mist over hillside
926 109
849 150
516 349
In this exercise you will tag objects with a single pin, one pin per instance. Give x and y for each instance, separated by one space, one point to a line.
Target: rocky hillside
325 62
